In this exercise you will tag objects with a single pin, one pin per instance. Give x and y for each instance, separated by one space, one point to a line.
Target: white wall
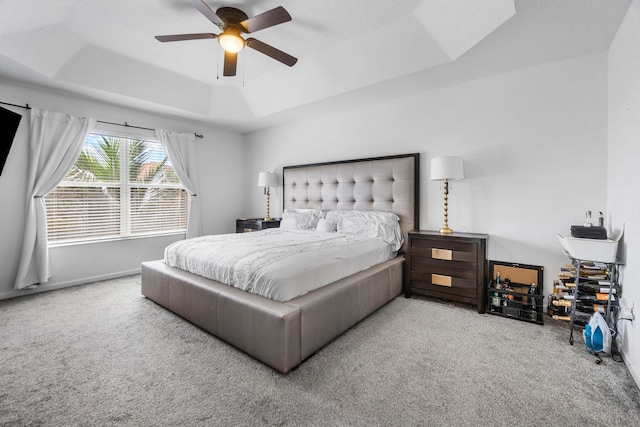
623 172
533 142
220 173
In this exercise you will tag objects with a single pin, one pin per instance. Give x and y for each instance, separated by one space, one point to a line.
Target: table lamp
444 169
268 180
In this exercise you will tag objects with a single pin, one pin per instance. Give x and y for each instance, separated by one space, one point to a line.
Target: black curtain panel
9 122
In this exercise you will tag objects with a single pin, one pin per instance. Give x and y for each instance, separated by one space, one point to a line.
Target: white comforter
275 263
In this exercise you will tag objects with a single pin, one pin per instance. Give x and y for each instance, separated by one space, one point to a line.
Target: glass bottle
496 303
533 292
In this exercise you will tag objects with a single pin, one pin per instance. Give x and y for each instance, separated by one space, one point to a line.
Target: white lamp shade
447 167
268 179
230 42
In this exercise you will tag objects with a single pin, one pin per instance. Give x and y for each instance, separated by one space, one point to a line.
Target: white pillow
325 226
301 219
374 224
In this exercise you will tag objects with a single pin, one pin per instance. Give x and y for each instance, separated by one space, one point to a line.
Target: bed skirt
281 335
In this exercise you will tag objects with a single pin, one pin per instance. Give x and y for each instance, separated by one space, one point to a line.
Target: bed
284 334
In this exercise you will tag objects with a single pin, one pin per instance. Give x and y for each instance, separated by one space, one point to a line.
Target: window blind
118 187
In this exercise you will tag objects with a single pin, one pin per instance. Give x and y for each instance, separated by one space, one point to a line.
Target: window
118 187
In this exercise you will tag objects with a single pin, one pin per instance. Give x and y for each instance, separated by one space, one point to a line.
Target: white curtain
181 148
54 145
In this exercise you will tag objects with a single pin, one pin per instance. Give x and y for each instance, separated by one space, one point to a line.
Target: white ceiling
349 52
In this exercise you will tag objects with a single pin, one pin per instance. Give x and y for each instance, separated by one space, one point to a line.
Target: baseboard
55 286
633 368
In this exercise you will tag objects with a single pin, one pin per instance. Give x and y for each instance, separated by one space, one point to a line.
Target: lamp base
446 230
268 217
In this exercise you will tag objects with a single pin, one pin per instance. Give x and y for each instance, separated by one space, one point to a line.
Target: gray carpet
102 354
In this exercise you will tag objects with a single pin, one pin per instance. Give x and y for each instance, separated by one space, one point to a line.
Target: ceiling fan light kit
231 42
233 22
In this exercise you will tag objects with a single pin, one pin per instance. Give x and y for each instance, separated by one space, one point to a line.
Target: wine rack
597 288
516 291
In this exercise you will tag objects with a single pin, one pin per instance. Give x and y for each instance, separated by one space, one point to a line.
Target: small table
245 225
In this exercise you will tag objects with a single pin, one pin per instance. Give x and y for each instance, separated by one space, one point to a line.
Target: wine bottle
581 318
533 292
508 307
496 300
562 302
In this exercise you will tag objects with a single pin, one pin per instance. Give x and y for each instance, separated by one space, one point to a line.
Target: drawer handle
439 279
445 254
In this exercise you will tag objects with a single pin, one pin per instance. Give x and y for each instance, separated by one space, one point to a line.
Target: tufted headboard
390 184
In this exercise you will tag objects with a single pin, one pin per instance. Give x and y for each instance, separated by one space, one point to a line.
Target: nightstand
244 225
450 267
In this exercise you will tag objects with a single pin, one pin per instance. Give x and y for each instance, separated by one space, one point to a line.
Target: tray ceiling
349 52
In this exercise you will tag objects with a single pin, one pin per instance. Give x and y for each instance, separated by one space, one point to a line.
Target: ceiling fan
233 22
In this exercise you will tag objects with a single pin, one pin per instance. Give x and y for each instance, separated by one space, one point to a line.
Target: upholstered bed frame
282 335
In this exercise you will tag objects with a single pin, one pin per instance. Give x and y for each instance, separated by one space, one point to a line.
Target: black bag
593 232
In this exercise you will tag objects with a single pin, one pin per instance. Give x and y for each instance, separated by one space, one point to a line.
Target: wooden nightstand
450 267
244 225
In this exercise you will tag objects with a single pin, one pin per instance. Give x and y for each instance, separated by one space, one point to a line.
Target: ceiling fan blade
267 19
230 62
271 51
206 11
181 37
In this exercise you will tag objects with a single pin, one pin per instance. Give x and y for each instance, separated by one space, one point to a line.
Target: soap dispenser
588 219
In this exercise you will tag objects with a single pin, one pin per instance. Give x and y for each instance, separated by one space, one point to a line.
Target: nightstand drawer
444 280
443 250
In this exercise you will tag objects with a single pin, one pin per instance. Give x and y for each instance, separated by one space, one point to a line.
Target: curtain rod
26 107
127 125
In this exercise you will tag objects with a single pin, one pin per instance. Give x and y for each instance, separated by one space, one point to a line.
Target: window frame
125 186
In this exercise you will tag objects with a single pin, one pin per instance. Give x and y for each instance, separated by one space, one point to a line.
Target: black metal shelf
515 305
520 295
609 280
